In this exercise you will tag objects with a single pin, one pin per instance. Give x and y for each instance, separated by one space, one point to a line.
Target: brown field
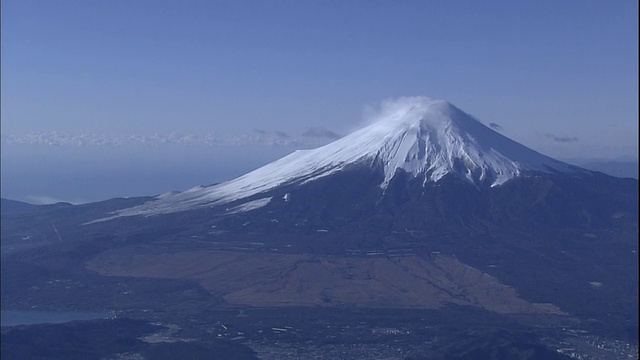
268 279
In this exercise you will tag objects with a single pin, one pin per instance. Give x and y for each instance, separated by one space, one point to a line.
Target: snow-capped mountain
425 138
426 207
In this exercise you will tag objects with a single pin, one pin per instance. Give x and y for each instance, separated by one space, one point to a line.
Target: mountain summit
425 138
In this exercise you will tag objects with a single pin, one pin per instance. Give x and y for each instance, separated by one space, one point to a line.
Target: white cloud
156 140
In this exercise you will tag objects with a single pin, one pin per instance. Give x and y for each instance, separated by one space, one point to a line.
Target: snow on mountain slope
427 138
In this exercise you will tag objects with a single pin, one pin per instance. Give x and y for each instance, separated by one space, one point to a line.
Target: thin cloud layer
258 137
320 132
563 139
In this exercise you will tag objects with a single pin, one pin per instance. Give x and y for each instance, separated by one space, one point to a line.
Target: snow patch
250 205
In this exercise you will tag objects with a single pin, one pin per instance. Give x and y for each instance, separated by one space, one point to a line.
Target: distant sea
13 318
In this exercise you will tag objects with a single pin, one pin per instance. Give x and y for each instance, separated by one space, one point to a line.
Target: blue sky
163 95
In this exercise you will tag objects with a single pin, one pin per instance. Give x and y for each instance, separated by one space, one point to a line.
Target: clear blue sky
251 77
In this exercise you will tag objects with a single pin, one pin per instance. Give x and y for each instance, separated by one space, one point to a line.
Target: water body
13 318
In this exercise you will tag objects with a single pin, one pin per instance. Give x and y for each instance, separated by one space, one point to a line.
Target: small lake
13 318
